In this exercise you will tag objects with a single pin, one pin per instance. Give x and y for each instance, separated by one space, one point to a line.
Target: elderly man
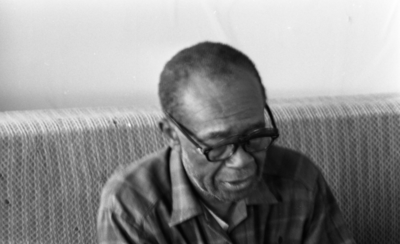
221 179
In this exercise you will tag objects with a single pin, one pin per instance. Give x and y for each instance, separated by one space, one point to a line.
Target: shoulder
291 165
136 189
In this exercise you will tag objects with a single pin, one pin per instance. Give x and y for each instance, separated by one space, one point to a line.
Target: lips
239 181
239 184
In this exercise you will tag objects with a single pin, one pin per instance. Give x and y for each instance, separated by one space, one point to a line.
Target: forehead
224 105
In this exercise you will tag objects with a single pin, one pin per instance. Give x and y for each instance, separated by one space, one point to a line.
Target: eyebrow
217 134
228 133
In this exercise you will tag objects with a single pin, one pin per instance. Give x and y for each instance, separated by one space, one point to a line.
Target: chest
278 223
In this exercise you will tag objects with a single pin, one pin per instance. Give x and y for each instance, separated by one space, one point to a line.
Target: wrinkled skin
214 112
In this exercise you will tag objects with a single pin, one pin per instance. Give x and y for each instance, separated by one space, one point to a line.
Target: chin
233 197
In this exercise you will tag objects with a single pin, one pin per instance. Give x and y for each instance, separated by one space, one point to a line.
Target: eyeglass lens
251 145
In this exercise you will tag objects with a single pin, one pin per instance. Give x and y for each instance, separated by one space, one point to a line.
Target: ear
169 131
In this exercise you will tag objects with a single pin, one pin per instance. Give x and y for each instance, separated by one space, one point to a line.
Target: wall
79 53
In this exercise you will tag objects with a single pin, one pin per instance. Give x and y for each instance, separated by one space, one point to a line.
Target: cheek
199 169
260 159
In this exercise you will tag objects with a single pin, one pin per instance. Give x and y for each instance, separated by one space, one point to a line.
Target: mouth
239 184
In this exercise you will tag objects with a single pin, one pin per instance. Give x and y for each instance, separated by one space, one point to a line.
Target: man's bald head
213 60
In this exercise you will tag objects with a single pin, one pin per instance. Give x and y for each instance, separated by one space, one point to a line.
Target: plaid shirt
153 202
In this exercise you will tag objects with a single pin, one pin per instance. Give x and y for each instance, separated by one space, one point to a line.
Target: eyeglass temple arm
185 132
272 118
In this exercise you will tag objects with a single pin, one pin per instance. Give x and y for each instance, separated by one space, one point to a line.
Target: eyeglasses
255 141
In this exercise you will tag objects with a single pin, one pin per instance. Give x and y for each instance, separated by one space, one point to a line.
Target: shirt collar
184 202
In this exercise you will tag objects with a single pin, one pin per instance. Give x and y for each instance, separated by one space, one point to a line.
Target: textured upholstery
54 163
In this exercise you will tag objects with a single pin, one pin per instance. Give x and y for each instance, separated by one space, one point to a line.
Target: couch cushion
53 163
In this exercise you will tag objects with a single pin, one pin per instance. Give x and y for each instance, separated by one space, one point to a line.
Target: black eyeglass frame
268 132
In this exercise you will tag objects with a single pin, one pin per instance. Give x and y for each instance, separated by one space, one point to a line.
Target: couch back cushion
54 163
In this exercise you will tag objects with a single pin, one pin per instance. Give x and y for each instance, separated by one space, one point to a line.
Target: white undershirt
222 223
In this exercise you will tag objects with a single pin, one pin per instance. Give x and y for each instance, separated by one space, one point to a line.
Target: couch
53 163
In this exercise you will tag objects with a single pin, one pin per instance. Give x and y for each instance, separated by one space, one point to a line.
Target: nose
240 159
